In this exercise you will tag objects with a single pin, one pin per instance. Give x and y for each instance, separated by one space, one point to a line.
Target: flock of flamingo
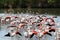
29 25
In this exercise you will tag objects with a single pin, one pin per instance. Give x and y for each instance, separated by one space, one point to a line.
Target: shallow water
4 31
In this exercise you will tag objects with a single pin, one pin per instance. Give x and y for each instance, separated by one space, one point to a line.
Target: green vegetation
41 6
29 3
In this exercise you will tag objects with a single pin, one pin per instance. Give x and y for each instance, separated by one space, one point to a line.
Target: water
4 31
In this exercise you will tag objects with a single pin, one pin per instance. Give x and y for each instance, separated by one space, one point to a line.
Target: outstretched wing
19 33
31 35
49 34
8 35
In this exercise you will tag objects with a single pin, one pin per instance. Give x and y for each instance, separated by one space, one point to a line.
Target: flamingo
11 35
